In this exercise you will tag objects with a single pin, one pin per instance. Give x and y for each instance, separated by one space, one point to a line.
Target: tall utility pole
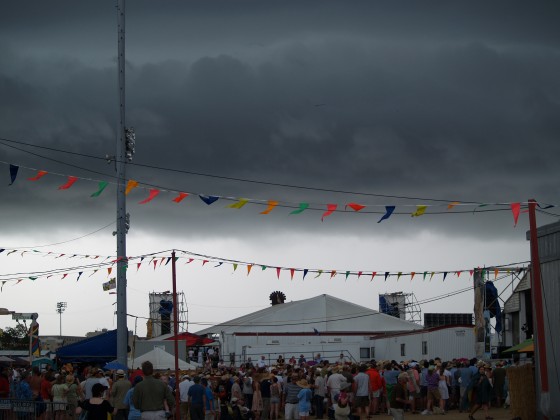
122 219
60 308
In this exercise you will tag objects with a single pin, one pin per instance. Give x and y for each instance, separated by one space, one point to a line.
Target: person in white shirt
184 386
261 364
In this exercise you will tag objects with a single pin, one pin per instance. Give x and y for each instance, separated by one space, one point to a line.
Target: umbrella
114 365
527 349
519 346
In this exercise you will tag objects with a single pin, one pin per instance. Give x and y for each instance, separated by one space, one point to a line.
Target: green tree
14 338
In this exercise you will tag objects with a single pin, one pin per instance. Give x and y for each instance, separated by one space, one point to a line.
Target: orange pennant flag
453 204
249 268
109 271
71 180
271 205
131 184
515 209
39 175
496 271
355 206
412 275
333 273
180 197
153 193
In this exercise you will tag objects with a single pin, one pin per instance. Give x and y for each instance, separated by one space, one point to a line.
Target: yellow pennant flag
431 275
420 210
271 205
239 204
130 186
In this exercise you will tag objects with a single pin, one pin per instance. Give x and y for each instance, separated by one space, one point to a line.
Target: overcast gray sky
354 101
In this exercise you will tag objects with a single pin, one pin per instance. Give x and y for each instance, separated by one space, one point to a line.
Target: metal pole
537 296
122 329
175 332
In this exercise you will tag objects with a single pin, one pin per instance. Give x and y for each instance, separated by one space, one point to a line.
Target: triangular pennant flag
471 272
39 175
373 275
180 197
302 208
249 268
271 205
69 183
153 194
444 275
220 263
515 209
94 271
386 275
458 273
496 271
239 204
399 274
347 274
204 262
425 272
355 206
263 267
453 204
3 283
130 185
388 212
330 209
292 271
359 274
319 273
79 275
208 199
101 187
305 271
420 210
412 275
155 263
333 273
64 276
278 272
169 259
138 266
13 173
15 250
109 271
35 278
431 275
234 267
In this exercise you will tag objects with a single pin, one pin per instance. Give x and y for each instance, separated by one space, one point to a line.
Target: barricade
15 409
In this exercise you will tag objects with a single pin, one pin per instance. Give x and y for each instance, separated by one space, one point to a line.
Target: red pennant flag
515 209
162 260
373 275
153 193
333 273
292 271
155 263
278 272
458 273
71 180
355 206
138 266
39 175
64 276
412 275
204 262
471 272
180 197
359 274
190 261
330 209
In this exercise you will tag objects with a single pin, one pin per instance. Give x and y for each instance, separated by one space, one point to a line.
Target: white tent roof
323 313
161 360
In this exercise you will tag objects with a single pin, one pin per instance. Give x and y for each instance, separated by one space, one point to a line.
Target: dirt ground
496 413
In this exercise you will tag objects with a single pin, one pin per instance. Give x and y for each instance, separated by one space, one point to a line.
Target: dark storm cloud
436 101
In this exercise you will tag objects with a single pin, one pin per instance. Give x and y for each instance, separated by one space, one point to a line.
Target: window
424 348
372 353
403 352
364 353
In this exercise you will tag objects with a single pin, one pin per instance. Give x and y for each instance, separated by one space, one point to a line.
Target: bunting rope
328 208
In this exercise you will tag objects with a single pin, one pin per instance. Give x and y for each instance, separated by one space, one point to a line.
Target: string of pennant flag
156 261
328 209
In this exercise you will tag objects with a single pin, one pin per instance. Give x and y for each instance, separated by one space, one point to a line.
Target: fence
15 409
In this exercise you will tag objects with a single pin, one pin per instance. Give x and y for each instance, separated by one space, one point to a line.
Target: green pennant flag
302 208
347 274
319 273
102 186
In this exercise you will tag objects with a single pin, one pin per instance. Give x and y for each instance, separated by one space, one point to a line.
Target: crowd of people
296 389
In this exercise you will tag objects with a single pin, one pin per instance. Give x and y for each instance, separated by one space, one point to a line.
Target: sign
23 406
18 315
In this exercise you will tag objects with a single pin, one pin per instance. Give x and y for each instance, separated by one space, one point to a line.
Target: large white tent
161 360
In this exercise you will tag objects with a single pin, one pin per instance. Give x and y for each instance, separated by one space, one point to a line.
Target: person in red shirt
375 387
4 383
46 386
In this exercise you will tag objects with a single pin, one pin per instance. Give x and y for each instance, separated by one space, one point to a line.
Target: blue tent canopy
101 348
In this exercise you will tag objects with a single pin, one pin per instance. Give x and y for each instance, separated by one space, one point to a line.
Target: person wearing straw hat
304 399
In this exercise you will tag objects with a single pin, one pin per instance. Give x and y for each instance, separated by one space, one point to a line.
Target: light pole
60 308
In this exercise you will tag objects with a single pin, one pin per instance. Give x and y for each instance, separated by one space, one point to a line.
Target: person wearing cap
118 392
399 397
150 394
304 399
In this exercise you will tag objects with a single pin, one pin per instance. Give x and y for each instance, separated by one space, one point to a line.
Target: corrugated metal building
548 403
